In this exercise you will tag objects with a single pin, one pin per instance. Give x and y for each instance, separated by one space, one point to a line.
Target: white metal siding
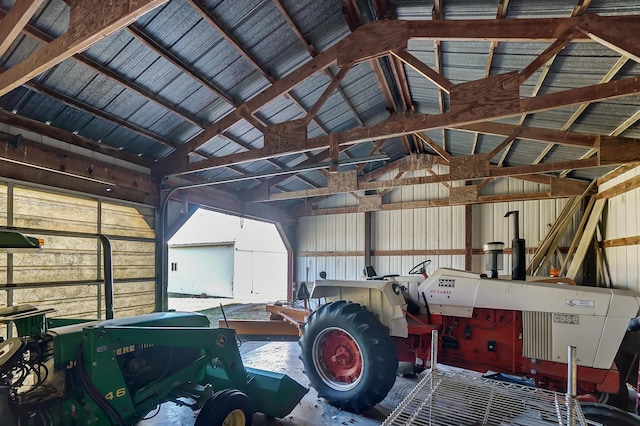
621 221
202 270
437 228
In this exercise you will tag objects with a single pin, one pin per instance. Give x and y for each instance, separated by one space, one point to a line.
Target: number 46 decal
119 394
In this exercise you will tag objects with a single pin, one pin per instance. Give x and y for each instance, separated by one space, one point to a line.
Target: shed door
201 270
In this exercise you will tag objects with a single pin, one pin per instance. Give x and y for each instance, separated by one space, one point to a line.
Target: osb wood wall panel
69 259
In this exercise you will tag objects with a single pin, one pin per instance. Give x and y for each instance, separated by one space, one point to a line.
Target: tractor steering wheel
420 268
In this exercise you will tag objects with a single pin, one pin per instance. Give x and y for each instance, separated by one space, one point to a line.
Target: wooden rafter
328 91
167 55
436 15
72 139
356 21
423 69
578 10
217 25
13 23
559 137
313 52
522 30
433 145
89 22
42 37
320 62
411 123
91 110
557 187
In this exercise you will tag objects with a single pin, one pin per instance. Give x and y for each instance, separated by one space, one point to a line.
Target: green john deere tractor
116 371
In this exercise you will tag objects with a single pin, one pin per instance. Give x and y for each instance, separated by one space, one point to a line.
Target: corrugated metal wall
404 237
67 275
536 217
622 231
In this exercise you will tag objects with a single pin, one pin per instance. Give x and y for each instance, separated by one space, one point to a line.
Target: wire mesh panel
445 398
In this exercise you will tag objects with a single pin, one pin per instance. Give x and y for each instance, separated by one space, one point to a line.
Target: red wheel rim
338 358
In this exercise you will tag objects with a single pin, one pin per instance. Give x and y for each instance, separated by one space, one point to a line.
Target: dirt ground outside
213 308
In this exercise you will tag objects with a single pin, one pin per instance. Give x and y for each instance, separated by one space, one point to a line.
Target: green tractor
117 371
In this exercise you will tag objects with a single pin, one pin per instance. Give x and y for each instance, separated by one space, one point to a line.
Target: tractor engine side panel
490 339
554 315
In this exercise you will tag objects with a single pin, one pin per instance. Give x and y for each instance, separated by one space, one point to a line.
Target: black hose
94 393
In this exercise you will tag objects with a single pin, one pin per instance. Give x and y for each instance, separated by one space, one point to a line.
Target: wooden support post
468 237
367 238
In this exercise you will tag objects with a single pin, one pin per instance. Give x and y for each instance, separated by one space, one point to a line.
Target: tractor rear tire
348 356
608 415
228 407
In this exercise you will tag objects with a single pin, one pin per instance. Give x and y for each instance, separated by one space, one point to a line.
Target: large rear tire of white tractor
348 356
228 407
607 415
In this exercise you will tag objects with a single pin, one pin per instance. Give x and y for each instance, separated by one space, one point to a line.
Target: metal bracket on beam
14 141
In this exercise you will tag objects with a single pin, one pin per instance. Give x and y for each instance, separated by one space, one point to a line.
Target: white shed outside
225 256
202 269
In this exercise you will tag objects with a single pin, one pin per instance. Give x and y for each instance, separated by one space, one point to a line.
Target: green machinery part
98 389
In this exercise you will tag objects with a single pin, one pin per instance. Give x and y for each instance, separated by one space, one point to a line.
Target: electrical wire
93 392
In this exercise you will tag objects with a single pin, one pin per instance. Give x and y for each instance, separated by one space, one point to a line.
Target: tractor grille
451 398
537 335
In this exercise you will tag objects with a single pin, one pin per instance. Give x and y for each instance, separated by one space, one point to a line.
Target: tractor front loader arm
100 345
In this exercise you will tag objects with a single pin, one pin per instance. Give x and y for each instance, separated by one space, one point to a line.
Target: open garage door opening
215 255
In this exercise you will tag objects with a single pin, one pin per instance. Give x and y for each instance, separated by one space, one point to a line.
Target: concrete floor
282 357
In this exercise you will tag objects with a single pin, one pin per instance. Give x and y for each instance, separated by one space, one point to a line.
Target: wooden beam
437 15
534 133
467 194
502 145
37 155
99 113
586 238
227 202
503 29
549 53
45 177
42 37
615 173
512 30
464 168
419 122
423 69
372 40
621 242
89 22
178 159
621 188
566 187
13 23
482 199
614 150
327 92
434 146
72 139
217 25
616 38
168 56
